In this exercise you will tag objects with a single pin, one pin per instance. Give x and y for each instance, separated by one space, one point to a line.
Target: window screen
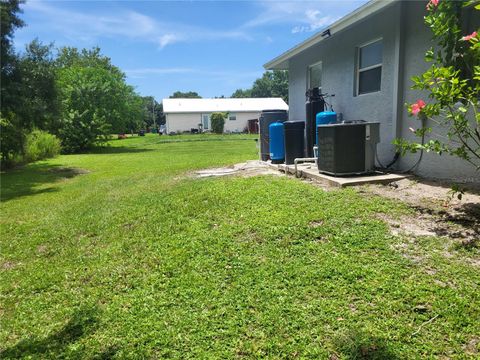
232 117
369 71
371 55
315 75
369 80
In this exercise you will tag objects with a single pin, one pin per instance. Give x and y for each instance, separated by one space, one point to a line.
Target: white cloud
231 77
273 12
88 27
304 16
315 21
167 39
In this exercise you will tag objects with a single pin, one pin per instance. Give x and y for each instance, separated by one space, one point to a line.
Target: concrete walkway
310 171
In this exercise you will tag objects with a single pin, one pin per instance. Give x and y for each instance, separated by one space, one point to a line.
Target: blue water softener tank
277 144
323 118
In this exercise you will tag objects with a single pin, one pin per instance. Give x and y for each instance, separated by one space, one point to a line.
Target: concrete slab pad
310 171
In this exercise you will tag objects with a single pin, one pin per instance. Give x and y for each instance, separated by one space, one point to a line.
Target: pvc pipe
302 160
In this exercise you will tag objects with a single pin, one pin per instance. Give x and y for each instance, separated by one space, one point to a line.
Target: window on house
369 68
315 75
232 117
206 121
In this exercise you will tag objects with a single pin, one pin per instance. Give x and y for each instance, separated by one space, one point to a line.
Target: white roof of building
223 105
373 6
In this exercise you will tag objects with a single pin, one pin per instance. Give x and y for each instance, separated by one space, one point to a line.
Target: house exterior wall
178 122
417 40
338 56
182 122
405 39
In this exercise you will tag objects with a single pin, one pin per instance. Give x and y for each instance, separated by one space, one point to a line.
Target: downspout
398 83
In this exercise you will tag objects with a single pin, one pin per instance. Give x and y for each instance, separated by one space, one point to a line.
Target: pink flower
470 37
417 107
432 3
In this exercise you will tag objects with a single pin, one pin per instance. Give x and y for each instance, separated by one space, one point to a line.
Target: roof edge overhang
373 6
212 111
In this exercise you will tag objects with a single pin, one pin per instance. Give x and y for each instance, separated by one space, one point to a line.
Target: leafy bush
96 101
11 139
41 145
218 122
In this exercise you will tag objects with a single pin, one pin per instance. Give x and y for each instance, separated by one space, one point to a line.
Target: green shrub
218 122
41 145
12 138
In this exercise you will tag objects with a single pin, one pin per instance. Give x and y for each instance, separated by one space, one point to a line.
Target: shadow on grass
357 344
117 150
84 322
137 148
466 216
23 181
471 186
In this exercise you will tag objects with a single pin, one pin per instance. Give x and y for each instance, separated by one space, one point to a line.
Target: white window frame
309 85
234 115
358 70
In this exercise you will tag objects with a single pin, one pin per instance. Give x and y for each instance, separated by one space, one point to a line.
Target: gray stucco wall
417 39
338 56
405 39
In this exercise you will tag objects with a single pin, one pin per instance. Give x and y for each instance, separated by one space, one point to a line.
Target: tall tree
9 22
271 84
39 107
240 93
152 110
9 10
187 95
11 134
96 100
279 84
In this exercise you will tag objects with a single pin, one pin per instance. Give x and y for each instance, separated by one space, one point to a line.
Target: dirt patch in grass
436 213
419 191
473 346
8 265
412 225
65 172
455 237
316 224
42 249
246 169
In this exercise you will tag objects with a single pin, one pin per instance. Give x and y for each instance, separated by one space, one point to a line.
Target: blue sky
211 47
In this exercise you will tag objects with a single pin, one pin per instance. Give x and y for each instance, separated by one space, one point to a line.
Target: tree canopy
185 95
271 84
95 99
152 110
75 94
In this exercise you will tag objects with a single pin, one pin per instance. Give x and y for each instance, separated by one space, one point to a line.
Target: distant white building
186 114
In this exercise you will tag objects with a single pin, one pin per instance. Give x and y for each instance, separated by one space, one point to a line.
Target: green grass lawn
122 254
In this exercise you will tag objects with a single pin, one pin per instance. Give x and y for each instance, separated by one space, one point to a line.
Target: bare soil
437 213
246 169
